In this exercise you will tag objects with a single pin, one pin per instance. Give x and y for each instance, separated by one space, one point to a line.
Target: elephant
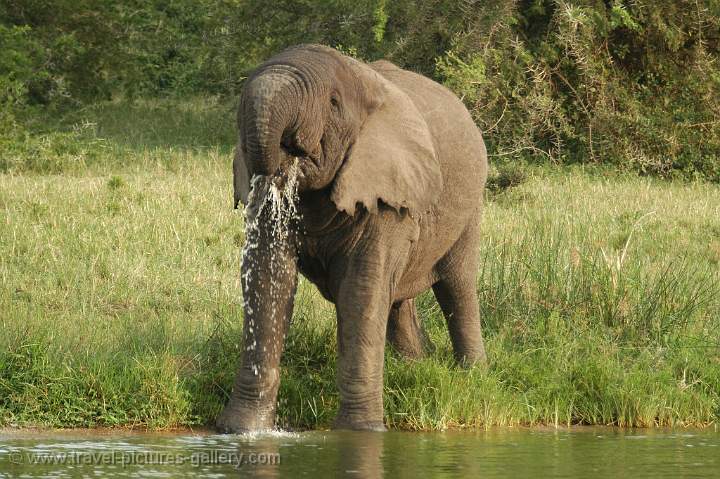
389 172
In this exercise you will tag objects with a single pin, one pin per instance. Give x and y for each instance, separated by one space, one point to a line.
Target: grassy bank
120 300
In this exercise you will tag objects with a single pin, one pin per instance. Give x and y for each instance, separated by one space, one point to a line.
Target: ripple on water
87 445
271 433
656 455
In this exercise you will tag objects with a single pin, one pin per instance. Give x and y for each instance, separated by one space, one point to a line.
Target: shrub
633 84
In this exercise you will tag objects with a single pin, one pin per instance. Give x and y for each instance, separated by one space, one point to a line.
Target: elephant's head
351 129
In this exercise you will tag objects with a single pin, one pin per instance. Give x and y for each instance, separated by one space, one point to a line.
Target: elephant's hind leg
404 330
457 296
459 303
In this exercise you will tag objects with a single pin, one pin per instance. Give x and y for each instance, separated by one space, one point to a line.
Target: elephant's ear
393 159
241 177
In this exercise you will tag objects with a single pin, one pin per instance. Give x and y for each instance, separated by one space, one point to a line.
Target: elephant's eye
292 148
335 103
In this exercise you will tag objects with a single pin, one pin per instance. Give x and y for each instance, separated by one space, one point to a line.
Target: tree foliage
630 82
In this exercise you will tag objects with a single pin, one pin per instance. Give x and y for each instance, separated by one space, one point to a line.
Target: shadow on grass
118 134
198 123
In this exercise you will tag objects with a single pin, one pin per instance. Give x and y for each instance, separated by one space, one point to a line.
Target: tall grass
120 299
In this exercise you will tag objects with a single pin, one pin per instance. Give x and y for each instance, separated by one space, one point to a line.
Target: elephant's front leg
269 280
363 305
362 320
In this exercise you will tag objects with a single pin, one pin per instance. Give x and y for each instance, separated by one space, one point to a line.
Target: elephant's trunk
269 281
269 111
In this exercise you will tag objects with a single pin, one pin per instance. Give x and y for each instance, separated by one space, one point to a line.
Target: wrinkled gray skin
392 170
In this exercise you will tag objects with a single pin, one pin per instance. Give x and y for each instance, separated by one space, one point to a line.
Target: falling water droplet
279 206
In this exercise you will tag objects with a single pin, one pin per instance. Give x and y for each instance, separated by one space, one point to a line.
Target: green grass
120 300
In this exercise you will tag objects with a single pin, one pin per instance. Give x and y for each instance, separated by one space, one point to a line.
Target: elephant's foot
363 415
236 419
470 358
410 350
252 403
357 423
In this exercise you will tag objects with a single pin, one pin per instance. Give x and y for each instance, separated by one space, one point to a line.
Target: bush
18 61
636 85
633 84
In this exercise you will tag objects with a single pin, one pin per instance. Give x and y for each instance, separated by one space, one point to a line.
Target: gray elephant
390 172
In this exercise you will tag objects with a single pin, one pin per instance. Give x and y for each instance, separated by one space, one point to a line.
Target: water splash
275 202
283 204
280 195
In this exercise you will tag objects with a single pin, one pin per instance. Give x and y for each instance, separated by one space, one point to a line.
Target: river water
578 452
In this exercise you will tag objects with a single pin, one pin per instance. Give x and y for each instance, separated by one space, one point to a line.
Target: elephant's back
463 160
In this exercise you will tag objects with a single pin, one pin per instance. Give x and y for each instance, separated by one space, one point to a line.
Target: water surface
581 452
